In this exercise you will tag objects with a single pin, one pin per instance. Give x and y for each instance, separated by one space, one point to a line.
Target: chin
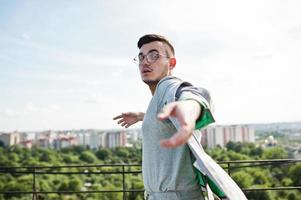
150 82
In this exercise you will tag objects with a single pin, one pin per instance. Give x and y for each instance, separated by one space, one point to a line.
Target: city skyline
68 65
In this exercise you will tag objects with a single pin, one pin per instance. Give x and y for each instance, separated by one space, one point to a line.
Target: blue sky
68 64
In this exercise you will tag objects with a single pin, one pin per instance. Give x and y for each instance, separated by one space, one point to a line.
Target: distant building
221 135
271 141
134 135
116 139
103 142
63 141
83 138
27 143
45 139
10 139
27 139
97 139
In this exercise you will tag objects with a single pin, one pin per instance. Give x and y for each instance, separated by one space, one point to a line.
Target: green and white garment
208 172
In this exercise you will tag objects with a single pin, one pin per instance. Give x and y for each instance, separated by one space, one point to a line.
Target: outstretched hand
186 112
129 118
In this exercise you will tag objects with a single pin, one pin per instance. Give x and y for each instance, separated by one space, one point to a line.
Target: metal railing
123 169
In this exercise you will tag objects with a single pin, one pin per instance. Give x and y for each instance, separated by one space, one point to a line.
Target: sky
69 64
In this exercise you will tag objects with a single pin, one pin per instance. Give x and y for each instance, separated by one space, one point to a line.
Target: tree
103 154
260 195
2 144
235 146
243 179
48 156
122 152
260 177
275 153
237 156
257 151
293 196
231 145
295 174
75 184
88 156
69 158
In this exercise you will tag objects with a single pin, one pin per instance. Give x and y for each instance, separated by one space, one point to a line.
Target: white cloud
74 58
245 53
30 110
8 113
26 36
97 98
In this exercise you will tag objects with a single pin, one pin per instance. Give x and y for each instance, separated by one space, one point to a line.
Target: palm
127 119
130 118
186 112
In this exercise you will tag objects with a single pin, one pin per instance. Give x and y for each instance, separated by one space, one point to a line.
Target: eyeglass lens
150 57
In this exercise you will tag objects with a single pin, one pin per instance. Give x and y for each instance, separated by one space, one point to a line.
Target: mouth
146 70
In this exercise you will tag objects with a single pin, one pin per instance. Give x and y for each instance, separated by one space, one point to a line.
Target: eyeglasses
150 57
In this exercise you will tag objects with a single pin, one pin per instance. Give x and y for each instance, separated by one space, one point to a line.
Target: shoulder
169 81
187 87
167 88
168 84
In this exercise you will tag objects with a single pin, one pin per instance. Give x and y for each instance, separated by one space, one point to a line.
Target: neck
153 84
152 88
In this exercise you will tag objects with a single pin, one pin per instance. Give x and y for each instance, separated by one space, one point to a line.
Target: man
175 109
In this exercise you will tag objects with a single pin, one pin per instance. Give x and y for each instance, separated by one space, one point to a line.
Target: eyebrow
149 52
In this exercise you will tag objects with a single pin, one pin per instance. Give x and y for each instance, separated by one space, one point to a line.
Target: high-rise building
97 139
63 141
221 135
10 139
116 139
27 139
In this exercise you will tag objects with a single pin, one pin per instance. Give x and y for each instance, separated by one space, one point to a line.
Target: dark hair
154 37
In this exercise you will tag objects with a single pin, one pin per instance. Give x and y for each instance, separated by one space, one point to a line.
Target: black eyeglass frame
151 57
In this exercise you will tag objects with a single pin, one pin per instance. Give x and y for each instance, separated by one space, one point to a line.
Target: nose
144 62
144 65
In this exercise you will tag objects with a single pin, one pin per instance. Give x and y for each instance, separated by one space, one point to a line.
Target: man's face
158 66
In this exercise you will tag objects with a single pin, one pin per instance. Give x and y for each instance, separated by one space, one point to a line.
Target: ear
172 62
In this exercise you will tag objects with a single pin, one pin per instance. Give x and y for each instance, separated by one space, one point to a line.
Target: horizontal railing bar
133 190
259 161
255 165
75 166
30 172
73 192
273 188
274 161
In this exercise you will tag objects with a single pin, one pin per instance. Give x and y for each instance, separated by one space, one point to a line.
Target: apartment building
10 139
221 135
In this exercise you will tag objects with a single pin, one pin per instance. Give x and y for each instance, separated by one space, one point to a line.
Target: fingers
117 117
178 139
125 119
123 123
167 111
122 115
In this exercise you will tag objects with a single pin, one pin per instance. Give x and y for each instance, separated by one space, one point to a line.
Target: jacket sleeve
202 96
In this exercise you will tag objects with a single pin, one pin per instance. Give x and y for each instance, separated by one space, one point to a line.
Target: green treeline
15 156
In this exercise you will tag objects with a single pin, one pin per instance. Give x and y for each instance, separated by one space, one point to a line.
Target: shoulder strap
215 173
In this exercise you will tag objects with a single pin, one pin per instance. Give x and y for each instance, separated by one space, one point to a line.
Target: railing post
34 194
123 182
229 170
